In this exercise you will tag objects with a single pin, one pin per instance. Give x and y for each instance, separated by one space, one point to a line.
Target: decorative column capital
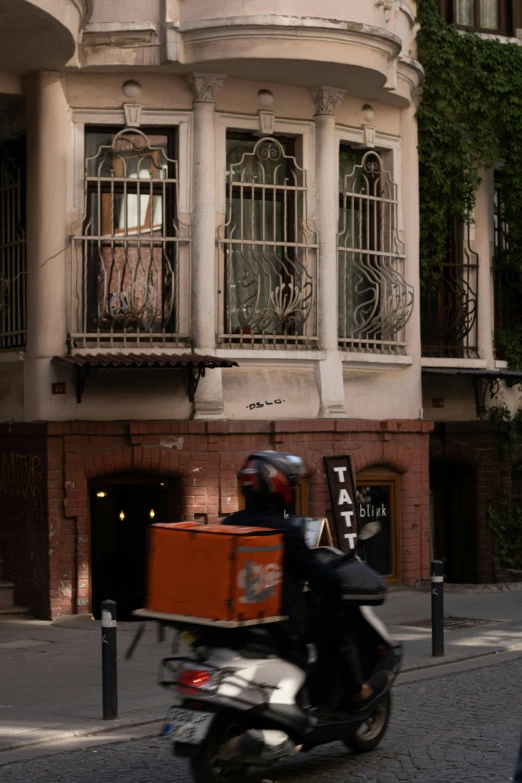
327 99
205 86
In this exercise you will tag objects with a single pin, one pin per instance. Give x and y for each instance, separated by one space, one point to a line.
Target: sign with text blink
341 484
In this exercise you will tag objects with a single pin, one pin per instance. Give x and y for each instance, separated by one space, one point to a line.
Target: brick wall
205 457
24 532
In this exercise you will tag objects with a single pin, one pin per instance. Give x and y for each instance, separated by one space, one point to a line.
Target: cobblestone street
458 728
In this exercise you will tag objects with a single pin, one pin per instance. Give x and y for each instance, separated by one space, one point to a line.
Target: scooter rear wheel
372 731
206 766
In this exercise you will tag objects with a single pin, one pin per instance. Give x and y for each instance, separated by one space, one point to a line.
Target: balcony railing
132 253
12 255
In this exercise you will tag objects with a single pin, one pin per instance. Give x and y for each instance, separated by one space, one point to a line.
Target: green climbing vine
470 115
505 519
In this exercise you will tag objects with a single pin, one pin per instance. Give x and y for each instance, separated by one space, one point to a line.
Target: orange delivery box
217 572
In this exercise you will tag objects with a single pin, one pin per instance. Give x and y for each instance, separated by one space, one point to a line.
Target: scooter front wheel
207 767
371 732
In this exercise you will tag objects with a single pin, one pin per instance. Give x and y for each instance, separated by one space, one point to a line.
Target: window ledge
501 365
507 39
255 356
378 361
9 357
469 364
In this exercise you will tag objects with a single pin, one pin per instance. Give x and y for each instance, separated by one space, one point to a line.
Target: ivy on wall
470 115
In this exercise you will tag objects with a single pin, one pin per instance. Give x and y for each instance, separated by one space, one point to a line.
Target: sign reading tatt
341 484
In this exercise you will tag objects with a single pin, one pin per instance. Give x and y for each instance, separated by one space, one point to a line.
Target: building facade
209 245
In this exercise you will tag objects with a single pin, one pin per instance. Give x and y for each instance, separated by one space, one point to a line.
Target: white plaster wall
457 393
104 91
12 391
381 395
126 11
296 388
122 395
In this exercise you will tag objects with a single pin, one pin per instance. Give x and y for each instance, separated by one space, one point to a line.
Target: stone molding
205 86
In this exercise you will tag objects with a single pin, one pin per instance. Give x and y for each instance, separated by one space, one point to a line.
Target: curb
424 586
78 733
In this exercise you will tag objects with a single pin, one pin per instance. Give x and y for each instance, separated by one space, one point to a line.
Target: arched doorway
454 518
122 509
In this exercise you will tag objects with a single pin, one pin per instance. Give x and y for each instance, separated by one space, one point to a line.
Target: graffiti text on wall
19 476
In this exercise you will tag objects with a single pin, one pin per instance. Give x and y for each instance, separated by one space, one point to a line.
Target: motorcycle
244 698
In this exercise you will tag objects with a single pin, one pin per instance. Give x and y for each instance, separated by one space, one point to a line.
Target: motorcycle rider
267 481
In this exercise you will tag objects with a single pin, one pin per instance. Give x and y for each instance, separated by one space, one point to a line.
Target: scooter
242 698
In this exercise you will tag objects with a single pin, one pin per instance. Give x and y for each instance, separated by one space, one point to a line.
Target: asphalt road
458 728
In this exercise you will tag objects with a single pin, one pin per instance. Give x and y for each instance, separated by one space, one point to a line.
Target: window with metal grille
12 245
506 277
268 253
132 255
449 306
374 300
485 16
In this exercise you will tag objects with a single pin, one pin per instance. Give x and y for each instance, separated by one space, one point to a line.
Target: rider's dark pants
337 644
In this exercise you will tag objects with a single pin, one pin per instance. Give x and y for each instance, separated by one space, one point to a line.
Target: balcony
40 34
368 45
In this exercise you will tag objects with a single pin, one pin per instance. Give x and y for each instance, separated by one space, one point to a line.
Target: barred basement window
268 252
133 253
374 300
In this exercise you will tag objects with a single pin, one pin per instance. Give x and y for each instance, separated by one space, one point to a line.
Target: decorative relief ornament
205 86
132 114
327 99
389 8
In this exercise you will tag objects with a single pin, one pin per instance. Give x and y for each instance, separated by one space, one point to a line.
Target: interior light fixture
101 494
162 483
152 513
122 515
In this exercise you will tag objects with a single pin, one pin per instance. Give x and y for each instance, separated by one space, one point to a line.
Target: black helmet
268 478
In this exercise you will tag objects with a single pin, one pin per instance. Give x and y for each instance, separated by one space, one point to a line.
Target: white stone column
409 198
482 245
47 148
209 397
330 370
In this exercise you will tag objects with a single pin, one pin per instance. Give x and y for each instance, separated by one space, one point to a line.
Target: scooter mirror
370 530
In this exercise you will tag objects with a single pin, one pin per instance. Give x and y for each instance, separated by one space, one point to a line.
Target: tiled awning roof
83 364
132 361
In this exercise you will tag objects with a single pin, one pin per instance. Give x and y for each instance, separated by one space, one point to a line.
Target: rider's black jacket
300 565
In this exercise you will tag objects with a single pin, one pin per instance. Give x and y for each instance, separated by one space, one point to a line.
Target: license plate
186 725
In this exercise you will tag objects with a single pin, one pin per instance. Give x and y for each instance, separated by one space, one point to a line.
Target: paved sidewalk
51 673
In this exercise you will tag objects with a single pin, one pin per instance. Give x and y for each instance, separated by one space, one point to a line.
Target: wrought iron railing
449 308
131 276
268 252
12 255
375 302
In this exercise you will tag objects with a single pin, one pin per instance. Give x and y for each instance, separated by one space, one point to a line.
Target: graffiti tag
254 405
19 476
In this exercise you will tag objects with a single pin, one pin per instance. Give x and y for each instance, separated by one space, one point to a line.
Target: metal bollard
109 661
437 608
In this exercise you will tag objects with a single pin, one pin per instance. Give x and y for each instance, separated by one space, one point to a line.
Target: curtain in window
489 14
464 13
